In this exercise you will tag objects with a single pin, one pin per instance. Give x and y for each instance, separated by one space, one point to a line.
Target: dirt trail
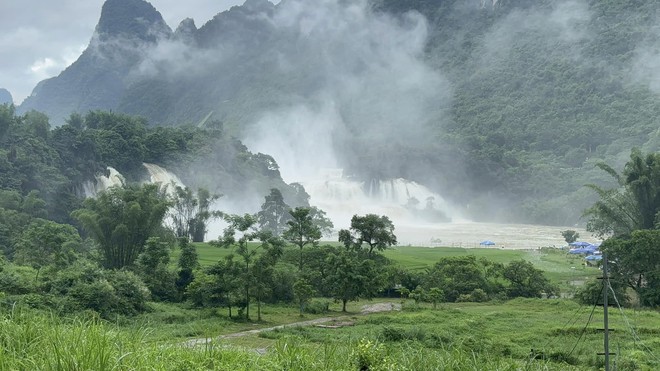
366 309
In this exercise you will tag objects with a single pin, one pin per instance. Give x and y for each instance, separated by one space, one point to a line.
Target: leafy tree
636 261
635 204
274 213
191 212
263 268
188 262
302 231
418 294
456 276
525 280
303 292
45 243
570 235
321 220
219 284
256 260
121 220
152 267
348 277
435 295
375 231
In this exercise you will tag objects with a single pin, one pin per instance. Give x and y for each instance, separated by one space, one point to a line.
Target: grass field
459 336
563 269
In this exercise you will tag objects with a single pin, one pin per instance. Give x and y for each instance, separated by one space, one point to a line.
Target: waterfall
102 182
341 198
161 176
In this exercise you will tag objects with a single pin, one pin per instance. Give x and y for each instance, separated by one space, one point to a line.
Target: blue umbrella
579 250
594 257
487 243
580 243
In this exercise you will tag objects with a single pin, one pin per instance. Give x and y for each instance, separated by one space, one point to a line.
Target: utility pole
606 288
606 329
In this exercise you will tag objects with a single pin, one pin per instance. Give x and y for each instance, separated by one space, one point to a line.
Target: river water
469 234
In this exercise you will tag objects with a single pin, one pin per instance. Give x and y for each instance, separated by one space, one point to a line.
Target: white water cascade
103 182
162 176
341 198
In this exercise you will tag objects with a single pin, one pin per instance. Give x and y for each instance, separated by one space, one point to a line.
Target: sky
40 38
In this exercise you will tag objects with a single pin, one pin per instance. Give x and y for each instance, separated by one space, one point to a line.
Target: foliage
570 235
525 280
377 232
152 267
187 264
44 242
256 267
636 263
303 292
302 231
191 212
635 205
348 276
274 213
121 220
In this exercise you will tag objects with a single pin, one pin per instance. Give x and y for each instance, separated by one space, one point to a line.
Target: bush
317 306
17 280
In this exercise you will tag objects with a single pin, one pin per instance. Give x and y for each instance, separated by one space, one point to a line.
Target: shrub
317 306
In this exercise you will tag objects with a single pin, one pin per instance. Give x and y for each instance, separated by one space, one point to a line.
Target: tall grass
38 341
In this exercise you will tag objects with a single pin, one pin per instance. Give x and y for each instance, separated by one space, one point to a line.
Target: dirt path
366 309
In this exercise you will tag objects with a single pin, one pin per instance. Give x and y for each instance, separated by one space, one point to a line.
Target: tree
274 213
225 285
636 263
570 235
303 291
188 262
152 267
302 231
45 243
435 295
456 276
635 204
263 268
191 212
121 220
525 280
350 278
375 231
256 260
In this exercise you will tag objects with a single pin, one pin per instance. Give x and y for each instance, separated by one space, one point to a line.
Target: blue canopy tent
580 250
587 249
579 244
487 243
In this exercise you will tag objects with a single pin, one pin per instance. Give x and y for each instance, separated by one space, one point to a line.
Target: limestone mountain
5 96
504 106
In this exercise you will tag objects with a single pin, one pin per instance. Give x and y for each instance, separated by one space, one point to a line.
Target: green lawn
565 270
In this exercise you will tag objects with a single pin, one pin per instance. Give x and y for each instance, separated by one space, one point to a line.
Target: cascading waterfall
165 178
156 173
341 198
102 182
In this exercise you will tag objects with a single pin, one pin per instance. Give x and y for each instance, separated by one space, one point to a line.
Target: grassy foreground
459 336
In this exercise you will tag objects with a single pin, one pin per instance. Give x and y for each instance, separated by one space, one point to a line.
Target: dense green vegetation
536 93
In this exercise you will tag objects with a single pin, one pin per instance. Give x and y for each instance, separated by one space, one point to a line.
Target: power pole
606 288
606 329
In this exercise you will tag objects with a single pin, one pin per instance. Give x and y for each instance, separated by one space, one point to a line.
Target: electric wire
585 326
571 321
636 338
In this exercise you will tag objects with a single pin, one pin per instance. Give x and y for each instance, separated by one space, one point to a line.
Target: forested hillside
503 107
